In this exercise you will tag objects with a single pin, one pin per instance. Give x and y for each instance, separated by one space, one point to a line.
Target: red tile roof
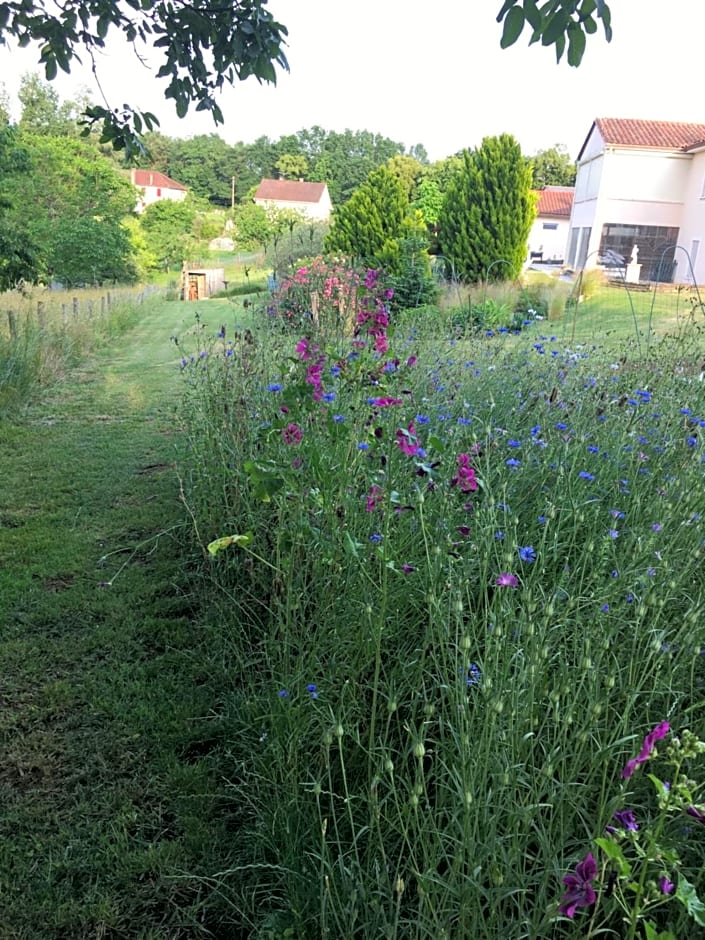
144 178
290 191
651 135
555 200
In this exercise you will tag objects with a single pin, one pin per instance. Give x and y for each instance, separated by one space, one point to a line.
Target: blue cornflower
513 462
691 441
335 371
499 535
586 476
527 553
542 520
613 533
617 514
686 411
473 674
536 430
561 426
513 443
376 538
615 573
593 449
275 387
312 690
363 445
283 693
329 396
605 608
338 418
422 419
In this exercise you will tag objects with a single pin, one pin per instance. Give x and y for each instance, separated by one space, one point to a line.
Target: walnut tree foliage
487 212
205 44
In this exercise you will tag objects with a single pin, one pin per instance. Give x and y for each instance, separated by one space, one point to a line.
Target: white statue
635 254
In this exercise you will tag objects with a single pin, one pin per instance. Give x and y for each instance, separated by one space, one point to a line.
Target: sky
427 72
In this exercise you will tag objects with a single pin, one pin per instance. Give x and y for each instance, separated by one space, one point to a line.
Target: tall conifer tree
488 211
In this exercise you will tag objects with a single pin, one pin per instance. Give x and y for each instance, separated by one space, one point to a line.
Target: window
551 226
656 243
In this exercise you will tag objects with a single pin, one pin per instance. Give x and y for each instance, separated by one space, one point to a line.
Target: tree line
67 209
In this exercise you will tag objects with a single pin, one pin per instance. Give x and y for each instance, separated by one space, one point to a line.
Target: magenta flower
407 441
292 434
385 401
507 580
305 349
465 477
697 812
580 892
407 569
647 748
626 819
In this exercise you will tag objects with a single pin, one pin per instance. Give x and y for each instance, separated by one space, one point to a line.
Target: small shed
199 283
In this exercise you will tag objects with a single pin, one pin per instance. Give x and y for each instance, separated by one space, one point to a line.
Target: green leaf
687 895
533 17
227 540
651 933
513 25
555 28
614 853
576 46
590 25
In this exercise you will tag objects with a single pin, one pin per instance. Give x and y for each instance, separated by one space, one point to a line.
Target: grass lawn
111 809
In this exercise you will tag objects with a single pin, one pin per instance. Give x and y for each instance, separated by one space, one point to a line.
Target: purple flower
647 748
627 819
507 580
697 812
580 892
656 527
407 569
665 886
613 533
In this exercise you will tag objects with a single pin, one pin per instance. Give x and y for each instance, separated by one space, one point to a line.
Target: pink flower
506 580
665 886
407 441
305 350
374 498
465 477
292 434
647 748
580 892
385 401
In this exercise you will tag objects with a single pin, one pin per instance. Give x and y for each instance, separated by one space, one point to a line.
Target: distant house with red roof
549 233
310 200
641 184
154 186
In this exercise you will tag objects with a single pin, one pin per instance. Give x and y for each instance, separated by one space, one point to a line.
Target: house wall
150 194
551 242
316 211
636 187
692 233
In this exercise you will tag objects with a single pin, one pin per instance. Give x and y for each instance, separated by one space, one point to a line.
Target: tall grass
43 334
467 578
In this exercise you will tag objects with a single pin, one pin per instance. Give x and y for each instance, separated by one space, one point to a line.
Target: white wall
692 233
550 242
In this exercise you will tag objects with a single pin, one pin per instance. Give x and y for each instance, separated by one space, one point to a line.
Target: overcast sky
432 73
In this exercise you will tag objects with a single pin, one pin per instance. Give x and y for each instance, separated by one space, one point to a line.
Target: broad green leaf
513 25
688 896
651 933
590 25
227 540
555 28
613 851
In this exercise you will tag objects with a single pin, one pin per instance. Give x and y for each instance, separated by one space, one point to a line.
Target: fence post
41 315
102 305
12 323
74 303
65 312
109 300
90 309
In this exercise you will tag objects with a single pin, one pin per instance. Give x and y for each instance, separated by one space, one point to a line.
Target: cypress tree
368 226
488 211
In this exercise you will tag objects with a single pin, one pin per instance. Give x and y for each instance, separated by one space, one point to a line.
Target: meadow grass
458 580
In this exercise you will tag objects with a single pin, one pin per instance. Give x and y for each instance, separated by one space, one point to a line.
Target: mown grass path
108 688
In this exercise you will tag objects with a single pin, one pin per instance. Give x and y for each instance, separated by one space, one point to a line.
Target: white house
310 200
154 186
641 183
549 233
